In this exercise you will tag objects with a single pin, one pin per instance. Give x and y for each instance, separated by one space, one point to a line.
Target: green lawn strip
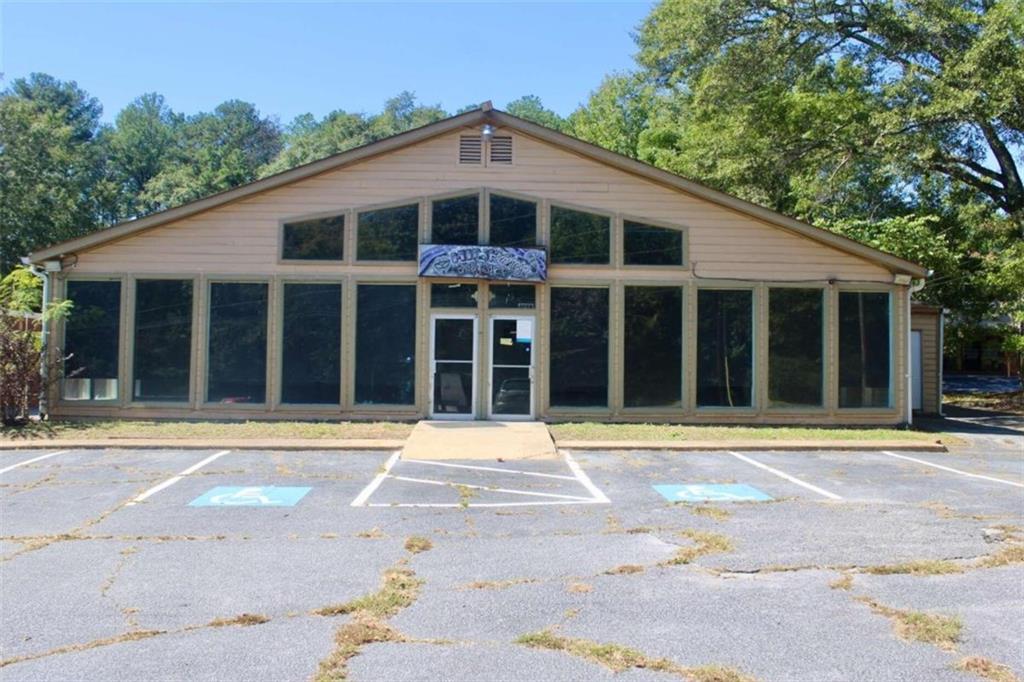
670 432
113 428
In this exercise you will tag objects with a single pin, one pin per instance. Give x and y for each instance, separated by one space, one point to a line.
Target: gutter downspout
911 290
44 355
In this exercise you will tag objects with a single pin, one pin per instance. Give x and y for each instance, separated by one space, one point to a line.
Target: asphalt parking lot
234 565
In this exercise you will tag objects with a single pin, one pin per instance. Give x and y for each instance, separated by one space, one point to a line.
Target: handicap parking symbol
712 492
250 496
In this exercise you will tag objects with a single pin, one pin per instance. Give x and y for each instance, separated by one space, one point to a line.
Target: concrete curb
394 444
789 445
205 444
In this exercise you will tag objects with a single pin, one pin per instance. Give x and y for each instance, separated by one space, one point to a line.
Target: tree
52 181
141 145
616 114
215 152
531 108
941 84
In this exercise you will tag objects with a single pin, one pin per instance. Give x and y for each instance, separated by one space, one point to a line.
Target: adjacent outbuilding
482 267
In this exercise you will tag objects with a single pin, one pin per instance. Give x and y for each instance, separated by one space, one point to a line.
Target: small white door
510 394
453 366
916 375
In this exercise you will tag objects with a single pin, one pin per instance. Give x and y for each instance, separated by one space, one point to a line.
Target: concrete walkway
479 440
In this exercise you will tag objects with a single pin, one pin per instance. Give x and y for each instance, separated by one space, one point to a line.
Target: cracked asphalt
95 588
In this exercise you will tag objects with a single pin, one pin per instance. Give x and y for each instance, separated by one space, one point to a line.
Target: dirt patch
399 588
579 588
1011 554
706 510
498 584
620 658
843 582
625 569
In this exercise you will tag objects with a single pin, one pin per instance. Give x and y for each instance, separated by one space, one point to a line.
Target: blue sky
290 58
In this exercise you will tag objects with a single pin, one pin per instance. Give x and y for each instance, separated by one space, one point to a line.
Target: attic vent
471 150
501 149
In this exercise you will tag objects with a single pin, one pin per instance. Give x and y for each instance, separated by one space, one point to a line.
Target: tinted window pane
389 233
237 352
654 346
317 239
863 349
163 339
579 347
578 237
513 222
724 348
385 344
311 344
91 338
512 296
453 295
455 221
795 354
650 245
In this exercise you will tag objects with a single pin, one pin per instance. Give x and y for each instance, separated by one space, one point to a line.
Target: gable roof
485 114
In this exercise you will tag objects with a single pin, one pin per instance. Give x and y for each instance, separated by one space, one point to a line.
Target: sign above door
503 263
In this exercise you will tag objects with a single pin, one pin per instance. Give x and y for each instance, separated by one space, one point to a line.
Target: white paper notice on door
524 331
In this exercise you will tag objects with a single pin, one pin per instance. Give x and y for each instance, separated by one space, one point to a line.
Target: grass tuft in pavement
711 512
245 619
987 669
620 658
1010 554
498 584
399 589
918 626
625 569
843 582
921 567
417 543
704 543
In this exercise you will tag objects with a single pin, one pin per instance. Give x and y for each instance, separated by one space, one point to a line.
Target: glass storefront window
795 350
237 343
163 340
311 344
444 295
653 347
725 376
92 340
386 344
579 347
864 349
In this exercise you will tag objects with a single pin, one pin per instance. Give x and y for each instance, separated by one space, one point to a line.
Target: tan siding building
654 297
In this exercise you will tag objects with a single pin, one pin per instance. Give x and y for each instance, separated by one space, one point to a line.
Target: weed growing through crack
843 582
245 619
921 567
625 569
918 626
987 669
372 534
620 658
498 584
1011 554
711 512
466 495
705 543
399 588
417 544
579 588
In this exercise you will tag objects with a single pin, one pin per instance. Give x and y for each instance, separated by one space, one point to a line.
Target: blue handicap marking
712 492
250 496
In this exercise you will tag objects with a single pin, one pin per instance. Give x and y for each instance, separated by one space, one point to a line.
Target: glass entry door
511 367
452 366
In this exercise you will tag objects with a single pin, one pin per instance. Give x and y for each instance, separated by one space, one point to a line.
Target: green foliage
616 114
532 109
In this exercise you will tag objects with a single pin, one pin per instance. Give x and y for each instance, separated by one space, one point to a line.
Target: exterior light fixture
487 131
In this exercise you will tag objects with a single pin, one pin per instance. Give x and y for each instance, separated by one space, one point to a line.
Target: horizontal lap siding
931 394
243 237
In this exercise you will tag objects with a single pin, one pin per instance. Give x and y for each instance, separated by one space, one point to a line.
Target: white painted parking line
952 470
783 474
34 459
578 476
364 495
498 469
455 484
582 477
174 479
